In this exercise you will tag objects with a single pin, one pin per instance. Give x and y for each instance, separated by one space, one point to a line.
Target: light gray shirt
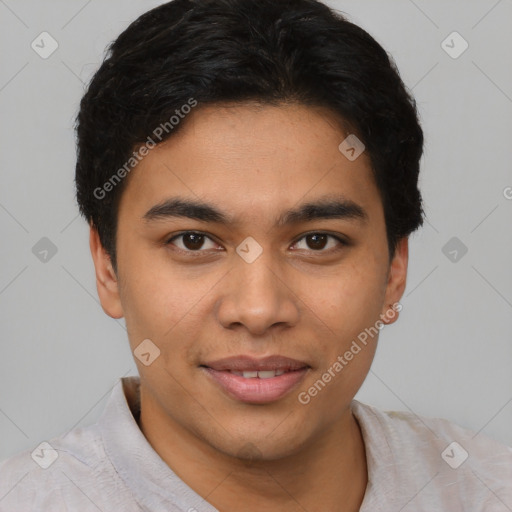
414 464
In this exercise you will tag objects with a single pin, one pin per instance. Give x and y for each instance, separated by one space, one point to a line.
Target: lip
248 363
256 390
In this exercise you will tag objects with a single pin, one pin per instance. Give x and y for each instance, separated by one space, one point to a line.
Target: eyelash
343 243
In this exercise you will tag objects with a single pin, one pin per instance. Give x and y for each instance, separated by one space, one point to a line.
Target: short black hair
189 52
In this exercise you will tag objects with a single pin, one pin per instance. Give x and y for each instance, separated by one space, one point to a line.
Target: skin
298 299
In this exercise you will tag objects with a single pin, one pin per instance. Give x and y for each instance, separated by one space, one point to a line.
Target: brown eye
192 242
317 242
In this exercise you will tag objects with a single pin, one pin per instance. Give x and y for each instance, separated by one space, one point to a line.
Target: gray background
450 353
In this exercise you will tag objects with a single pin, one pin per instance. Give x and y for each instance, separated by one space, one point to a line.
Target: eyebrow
327 208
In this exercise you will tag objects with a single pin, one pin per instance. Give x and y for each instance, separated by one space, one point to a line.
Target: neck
329 474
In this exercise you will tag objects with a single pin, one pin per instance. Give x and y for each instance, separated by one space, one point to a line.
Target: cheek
165 307
351 300
346 311
152 302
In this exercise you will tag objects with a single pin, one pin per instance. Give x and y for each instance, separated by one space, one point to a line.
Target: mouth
256 381
263 374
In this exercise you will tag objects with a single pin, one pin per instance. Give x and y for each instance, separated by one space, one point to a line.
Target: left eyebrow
324 209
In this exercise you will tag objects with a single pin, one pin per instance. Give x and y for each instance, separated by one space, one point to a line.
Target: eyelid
170 240
339 238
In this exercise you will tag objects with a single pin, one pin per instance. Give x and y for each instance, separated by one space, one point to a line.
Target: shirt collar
154 485
381 464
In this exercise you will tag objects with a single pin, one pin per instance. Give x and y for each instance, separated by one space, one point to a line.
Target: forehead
253 158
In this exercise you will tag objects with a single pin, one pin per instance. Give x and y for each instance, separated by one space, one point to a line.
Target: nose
257 297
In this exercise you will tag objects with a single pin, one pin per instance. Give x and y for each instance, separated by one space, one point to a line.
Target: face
250 235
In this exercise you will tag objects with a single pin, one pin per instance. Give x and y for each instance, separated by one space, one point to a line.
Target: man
249 171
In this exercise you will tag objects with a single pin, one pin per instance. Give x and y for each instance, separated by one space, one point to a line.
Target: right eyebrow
190 209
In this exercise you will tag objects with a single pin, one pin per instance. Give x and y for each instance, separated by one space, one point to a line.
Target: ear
397 280
106 279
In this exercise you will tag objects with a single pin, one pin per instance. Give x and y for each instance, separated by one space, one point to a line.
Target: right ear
106 279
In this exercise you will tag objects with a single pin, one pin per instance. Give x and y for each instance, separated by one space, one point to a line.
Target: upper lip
248 363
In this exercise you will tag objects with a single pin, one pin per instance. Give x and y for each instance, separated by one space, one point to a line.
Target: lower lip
256 390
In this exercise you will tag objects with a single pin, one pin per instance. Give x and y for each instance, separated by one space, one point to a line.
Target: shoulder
437 458
402 426
70 470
